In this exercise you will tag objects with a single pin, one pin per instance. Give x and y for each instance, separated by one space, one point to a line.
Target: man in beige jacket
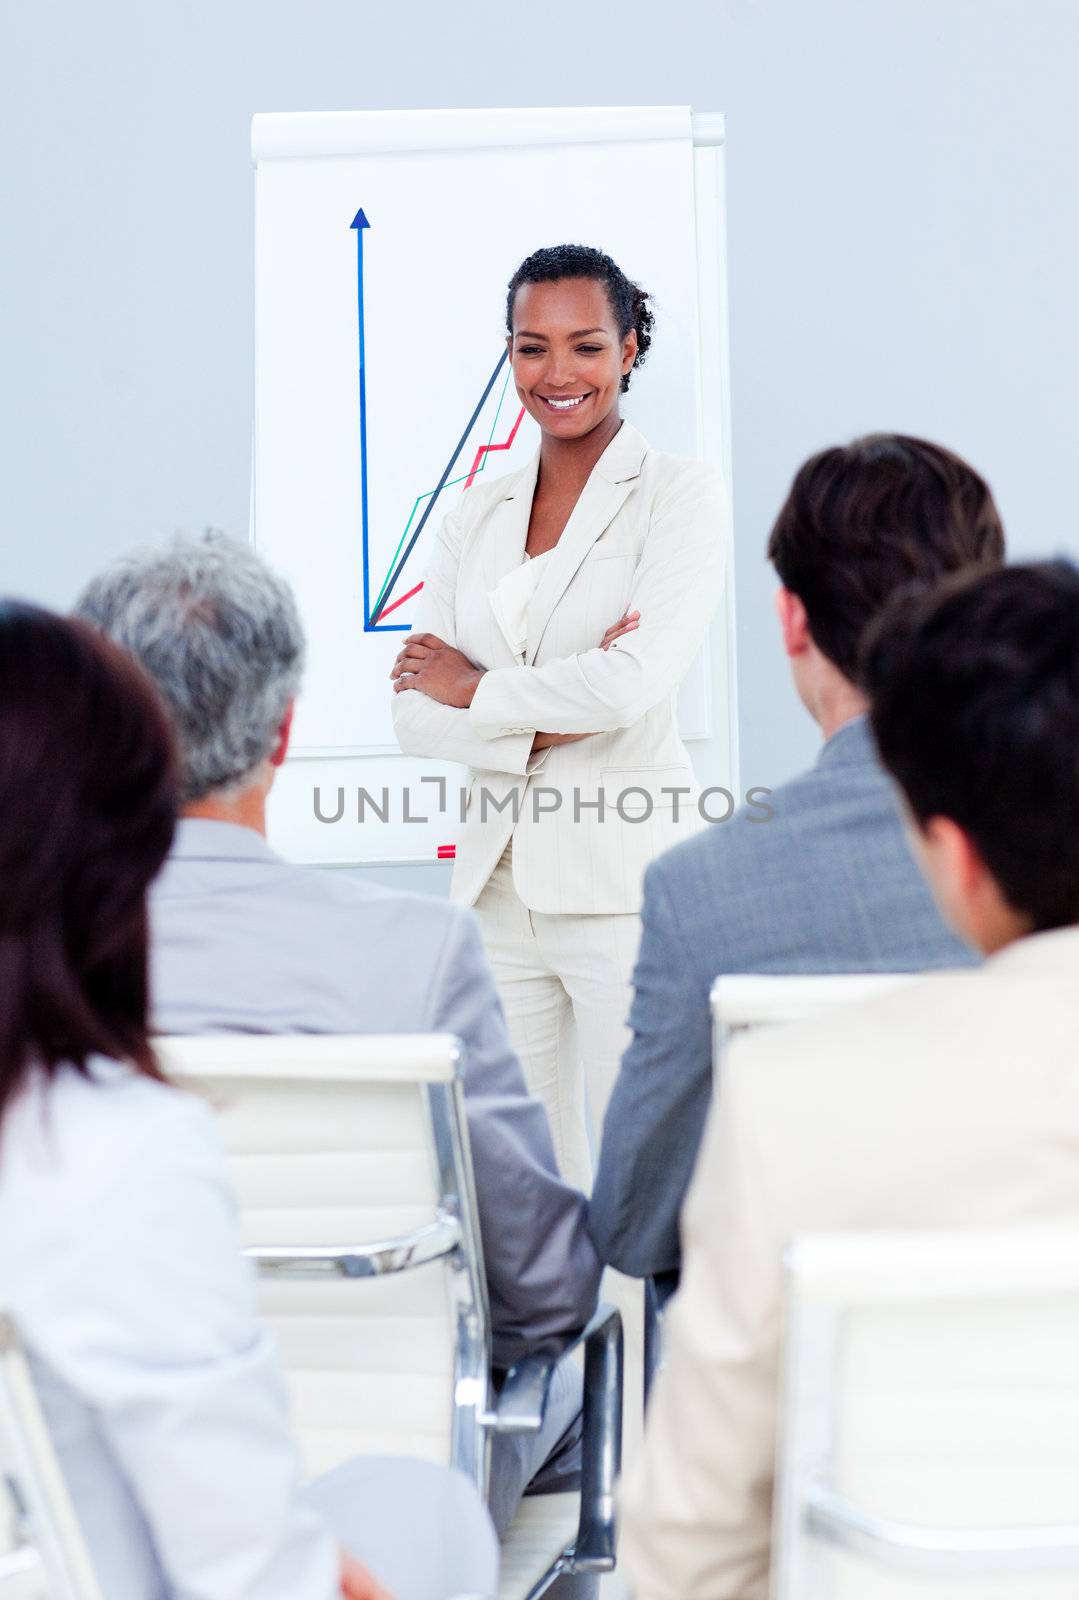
952 1102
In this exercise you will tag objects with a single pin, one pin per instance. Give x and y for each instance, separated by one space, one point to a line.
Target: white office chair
351 1160
754 1000
930 1434
42 1555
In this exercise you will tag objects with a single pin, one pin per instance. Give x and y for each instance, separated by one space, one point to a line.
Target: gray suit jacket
827 884
244 942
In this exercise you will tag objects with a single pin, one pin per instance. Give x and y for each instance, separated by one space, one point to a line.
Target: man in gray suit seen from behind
827 883
244 942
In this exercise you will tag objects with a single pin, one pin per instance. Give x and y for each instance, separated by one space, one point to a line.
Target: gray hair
220 635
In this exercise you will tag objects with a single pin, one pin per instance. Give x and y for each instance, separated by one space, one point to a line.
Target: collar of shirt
205 839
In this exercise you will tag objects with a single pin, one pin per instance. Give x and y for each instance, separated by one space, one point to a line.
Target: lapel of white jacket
600 500
503 549
507 530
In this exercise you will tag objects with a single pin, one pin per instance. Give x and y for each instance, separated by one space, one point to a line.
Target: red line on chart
387 609
484 449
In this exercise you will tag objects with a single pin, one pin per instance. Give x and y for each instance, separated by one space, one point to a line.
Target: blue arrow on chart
360 224
373 619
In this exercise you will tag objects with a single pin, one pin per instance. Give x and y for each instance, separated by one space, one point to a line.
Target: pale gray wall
903 224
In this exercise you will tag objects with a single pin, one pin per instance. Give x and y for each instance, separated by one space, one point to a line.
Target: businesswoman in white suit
561 609
120 1254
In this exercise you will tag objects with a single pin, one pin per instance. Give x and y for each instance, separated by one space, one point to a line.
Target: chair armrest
601 1447
520 1409
522 1399
940 1551
658 1292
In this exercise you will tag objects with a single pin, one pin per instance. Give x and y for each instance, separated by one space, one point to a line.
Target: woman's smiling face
567 354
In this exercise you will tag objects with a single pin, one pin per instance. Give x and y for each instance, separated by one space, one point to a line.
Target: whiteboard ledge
299 858
301 135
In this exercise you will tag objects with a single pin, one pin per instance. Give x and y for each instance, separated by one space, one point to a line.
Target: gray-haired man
245 942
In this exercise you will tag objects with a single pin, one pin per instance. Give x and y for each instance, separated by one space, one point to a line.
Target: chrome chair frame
40 1554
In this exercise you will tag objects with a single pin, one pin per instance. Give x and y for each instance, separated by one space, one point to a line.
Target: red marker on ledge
447 852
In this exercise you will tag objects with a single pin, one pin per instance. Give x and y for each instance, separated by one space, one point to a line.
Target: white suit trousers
565 982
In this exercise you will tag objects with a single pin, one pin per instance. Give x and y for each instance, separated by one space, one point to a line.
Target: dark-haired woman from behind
560 612
120 1256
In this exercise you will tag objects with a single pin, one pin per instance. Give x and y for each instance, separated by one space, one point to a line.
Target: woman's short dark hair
88 790
975 709
629 302
863 519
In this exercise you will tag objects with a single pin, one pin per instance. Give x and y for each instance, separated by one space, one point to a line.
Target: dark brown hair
631 306
975 709
88 791
862 520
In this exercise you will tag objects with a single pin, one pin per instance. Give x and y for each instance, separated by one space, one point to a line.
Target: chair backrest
350 1158
930 1436
42 1554
752 1000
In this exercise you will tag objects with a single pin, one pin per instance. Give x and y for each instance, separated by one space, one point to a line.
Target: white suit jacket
647 533
952 1103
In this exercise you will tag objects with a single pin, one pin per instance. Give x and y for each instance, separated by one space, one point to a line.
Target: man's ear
956 860
284 734
966 893
793 622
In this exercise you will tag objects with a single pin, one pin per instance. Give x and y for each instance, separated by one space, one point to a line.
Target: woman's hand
435 668
625 624
358 1584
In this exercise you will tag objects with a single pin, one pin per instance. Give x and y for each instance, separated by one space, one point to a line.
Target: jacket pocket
633 793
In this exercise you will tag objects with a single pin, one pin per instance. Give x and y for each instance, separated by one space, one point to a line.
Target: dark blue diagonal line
451 463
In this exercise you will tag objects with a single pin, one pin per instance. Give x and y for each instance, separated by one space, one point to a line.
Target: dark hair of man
865 518
629 303
975 709
88 790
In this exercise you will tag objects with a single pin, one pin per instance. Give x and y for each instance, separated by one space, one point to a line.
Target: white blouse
510 598
120 1264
